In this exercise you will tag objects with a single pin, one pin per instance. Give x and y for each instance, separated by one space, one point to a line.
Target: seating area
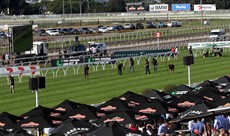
131 114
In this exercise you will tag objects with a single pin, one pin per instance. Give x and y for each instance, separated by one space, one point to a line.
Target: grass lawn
102 85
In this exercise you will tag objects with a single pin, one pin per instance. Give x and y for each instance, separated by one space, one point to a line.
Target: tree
116 6
4 5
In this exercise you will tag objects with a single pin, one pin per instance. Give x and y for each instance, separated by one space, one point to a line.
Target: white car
52 32
128 26
103 29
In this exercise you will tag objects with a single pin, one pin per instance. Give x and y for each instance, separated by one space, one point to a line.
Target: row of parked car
103 29
4 35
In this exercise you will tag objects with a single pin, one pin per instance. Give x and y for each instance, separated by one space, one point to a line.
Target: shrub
147 90
169 88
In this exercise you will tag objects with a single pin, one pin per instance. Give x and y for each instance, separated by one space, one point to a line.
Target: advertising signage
158 7
136 8
181 7
205 7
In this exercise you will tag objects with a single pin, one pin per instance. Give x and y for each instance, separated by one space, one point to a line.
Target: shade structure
224 82
7 120
86 114
133 99
155 94
39 122
197 111
114 131
207 83
68 105
225 101
181 90
156 107
42 110
3 132
128 117
209 94
114 105
19 132
73 127
187 100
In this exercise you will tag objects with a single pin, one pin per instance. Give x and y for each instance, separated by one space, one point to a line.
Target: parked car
52 32
84 30
174 24
74 31
103 29
3 35
162 25
40 32
139 26
64 31
93 30
151 25
129 26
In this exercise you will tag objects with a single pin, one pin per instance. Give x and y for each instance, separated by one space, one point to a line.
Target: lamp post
63 9
80 5
201 12
71 7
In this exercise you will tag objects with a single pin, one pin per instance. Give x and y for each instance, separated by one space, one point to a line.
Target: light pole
201 12
80 5
70 6
63 9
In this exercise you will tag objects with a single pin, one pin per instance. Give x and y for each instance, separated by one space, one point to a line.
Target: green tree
116 6
4 5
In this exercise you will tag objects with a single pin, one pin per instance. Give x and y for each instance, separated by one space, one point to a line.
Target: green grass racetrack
102 85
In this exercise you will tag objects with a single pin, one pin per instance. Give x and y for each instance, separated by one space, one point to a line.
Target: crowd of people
218 125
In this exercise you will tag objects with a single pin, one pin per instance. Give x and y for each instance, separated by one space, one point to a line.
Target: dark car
75 31
84 30
162 25
64 31
139 26
151 25
40 32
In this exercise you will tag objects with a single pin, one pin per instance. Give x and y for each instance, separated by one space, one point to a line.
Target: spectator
11 84
176 52
7 59
198 128
3 59
154 64
131 64
133 127
163 128
120 66
86 71
190 51
60 54
147 71
173 51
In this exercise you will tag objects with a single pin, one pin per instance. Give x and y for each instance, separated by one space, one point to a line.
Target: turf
102 85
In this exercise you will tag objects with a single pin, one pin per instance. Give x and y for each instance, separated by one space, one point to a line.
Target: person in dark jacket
154 64
11 84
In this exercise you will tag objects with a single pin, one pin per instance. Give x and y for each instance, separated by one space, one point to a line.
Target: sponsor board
205 7
204 45
159 7
20 70
136 8
180 7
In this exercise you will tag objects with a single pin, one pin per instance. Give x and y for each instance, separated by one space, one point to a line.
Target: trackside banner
158 7
205 7
205 45
180 7
20 70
